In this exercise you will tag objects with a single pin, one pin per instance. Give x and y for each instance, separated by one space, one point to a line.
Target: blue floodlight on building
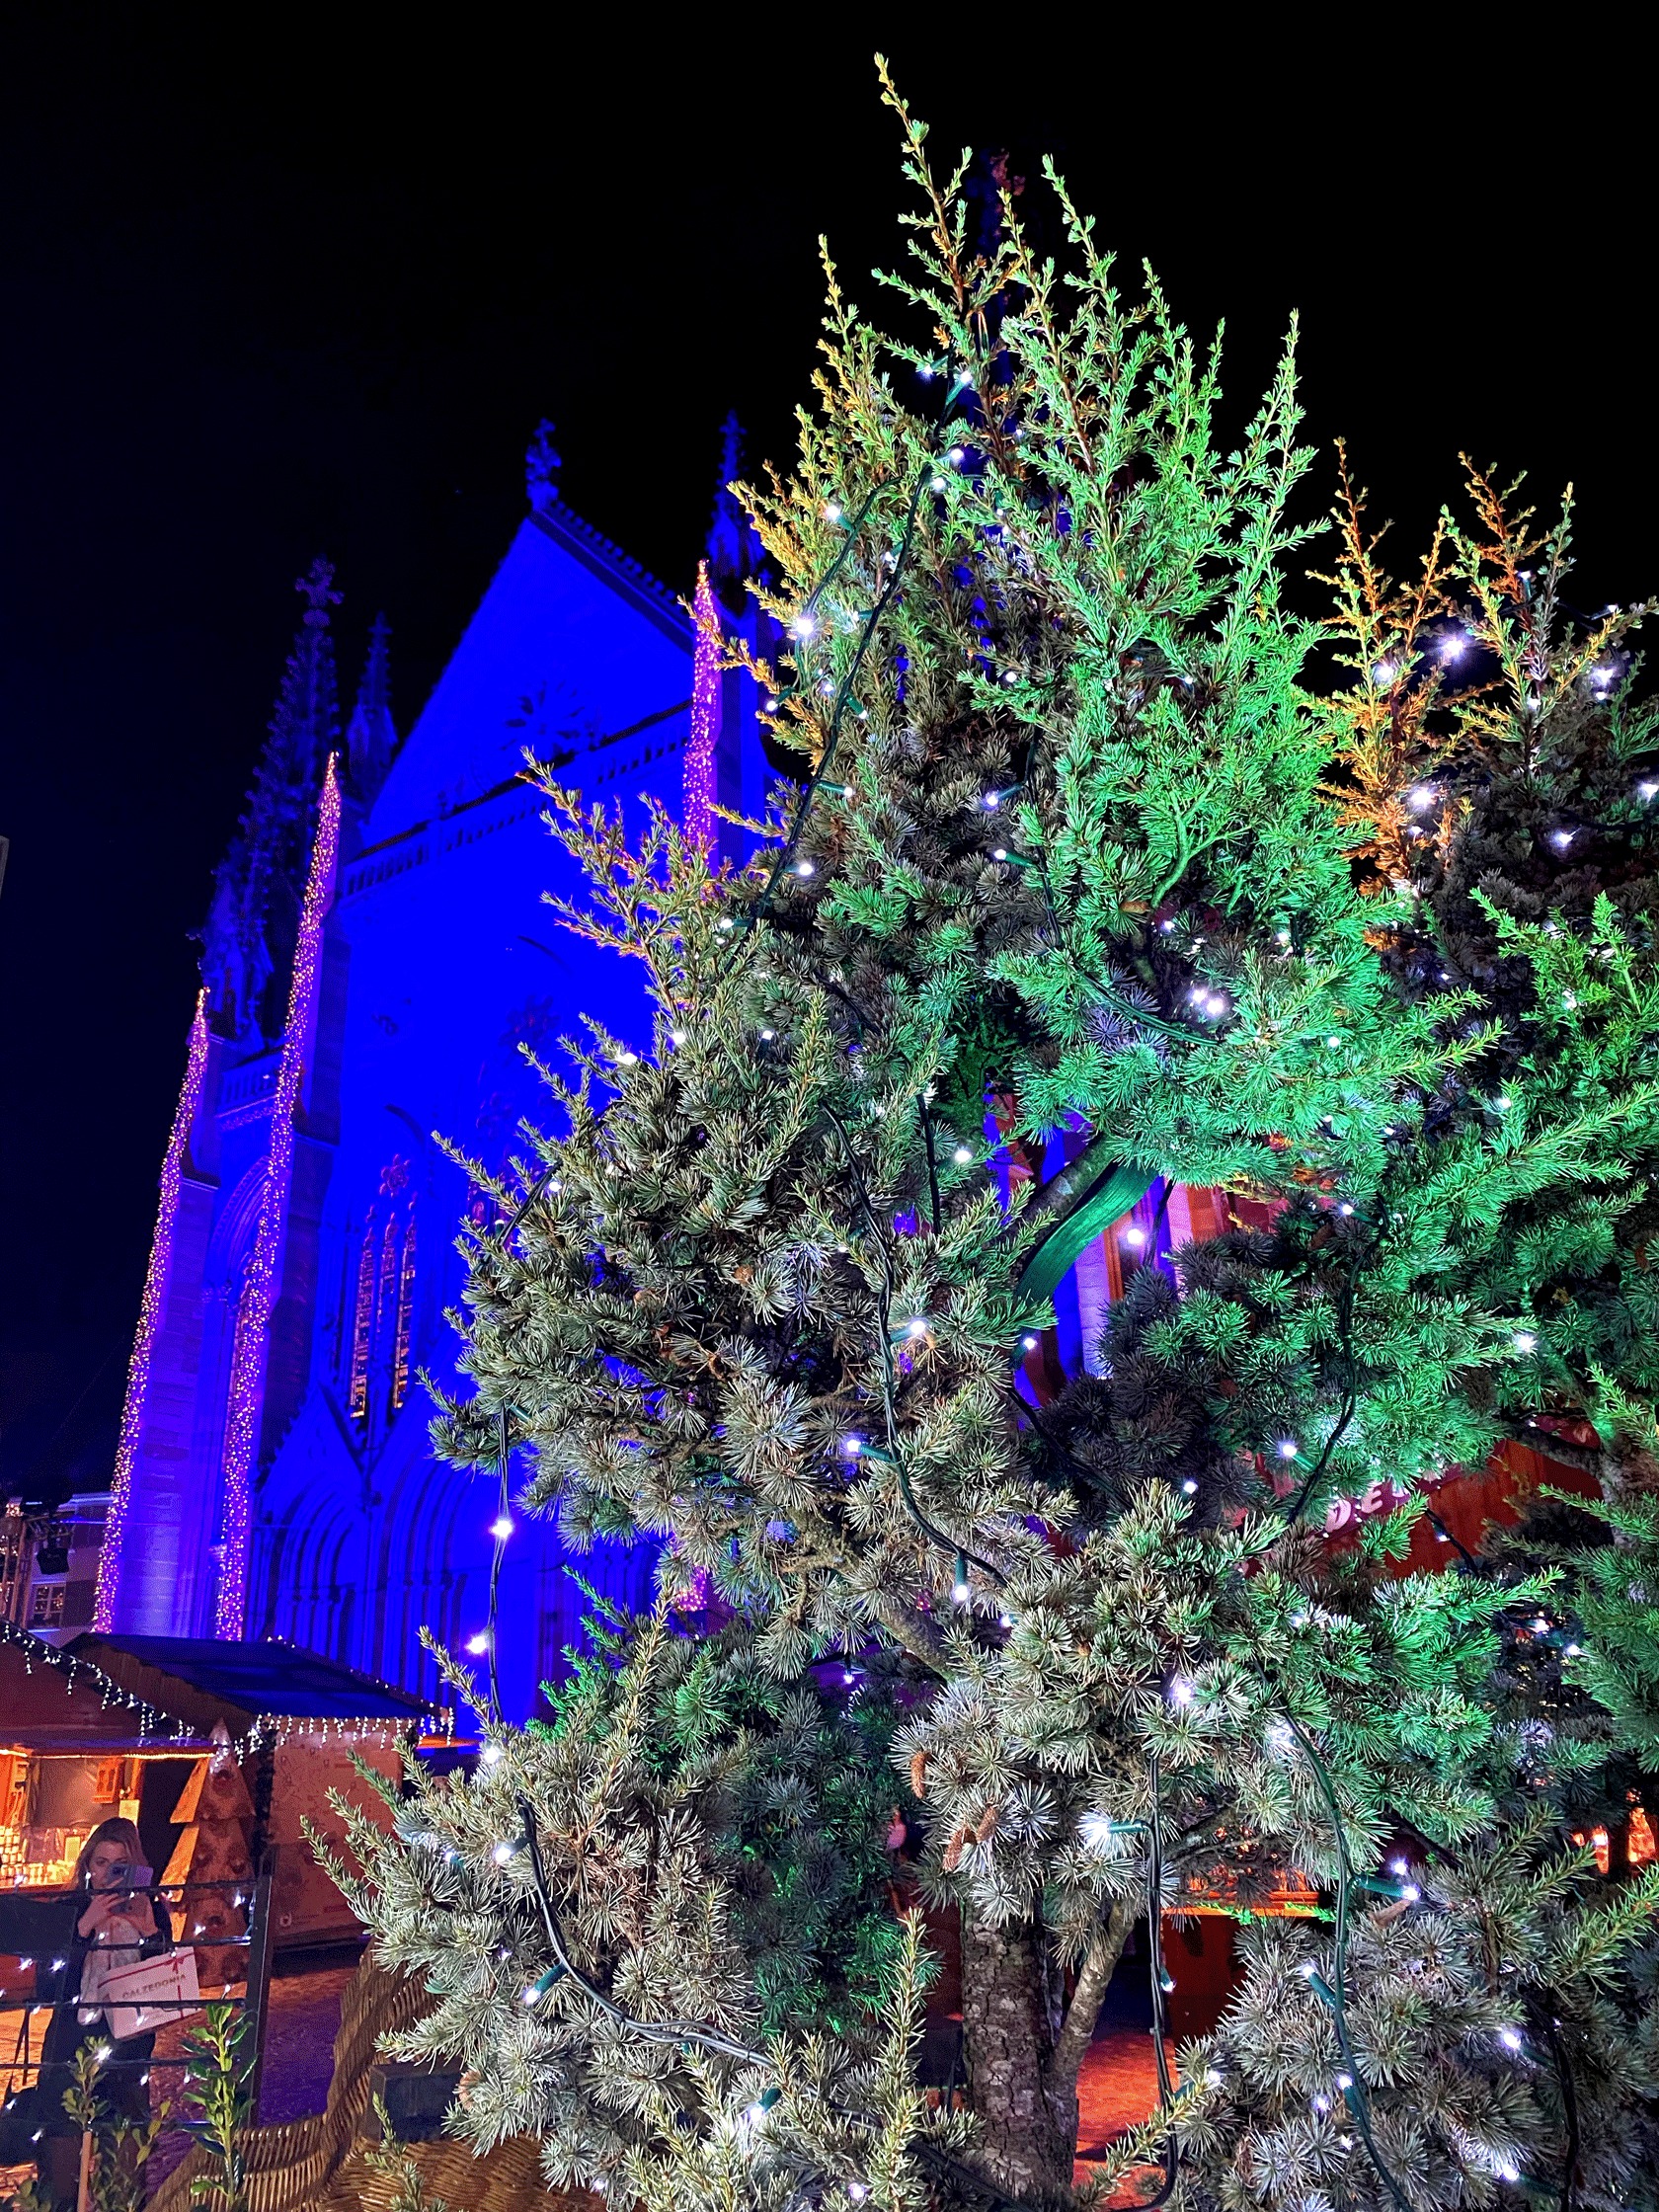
376 952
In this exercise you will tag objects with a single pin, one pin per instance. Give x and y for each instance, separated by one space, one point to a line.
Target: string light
478 1644
259 1290
501 1529
962 1156
149 1322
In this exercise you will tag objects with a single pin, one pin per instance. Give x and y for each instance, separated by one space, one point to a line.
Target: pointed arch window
381 1284
405 1312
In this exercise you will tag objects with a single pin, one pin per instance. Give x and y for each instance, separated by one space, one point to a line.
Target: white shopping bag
150 1992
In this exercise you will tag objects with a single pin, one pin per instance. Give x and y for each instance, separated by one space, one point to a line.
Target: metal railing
23 2068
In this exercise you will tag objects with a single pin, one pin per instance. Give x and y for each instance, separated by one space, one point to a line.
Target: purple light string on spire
258 1289
705 713
149 1321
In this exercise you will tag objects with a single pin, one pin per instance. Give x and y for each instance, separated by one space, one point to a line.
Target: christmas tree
1070 906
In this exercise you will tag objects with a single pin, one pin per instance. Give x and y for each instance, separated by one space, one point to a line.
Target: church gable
571 644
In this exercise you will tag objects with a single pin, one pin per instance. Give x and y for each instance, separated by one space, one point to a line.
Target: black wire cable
680 2033
884 1312
758 909
1335 1995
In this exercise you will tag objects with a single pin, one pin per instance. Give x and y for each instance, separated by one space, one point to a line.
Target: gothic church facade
376 953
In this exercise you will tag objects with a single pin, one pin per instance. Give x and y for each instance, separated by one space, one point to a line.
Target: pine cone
987 1825
959 1839
919 1773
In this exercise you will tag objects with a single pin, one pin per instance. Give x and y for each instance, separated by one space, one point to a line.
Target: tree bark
1099 1964
1029 2121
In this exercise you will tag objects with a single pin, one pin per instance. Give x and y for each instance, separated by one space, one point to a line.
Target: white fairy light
501 1528
479 1644
1288 1448
492 1755
1523 1341
1180 1692
802 626
1136 1236
503 1852
962 1155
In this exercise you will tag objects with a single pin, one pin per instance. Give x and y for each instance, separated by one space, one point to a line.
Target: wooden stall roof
152 1694
203 1681
55 1700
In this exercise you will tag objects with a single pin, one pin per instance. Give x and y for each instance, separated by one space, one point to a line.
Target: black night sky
274 284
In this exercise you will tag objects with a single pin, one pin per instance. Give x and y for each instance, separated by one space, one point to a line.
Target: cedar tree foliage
1063 905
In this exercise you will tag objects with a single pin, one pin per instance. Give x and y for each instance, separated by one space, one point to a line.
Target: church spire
370 737
734 549
250 932
541 469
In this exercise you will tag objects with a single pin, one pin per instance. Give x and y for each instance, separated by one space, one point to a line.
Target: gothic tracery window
381 1263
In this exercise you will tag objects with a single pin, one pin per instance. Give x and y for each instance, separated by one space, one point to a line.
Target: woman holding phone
119 1918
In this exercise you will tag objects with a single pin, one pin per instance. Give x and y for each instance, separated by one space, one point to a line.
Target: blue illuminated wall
441 958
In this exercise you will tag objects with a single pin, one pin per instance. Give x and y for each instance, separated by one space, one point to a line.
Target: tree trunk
1030 2123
